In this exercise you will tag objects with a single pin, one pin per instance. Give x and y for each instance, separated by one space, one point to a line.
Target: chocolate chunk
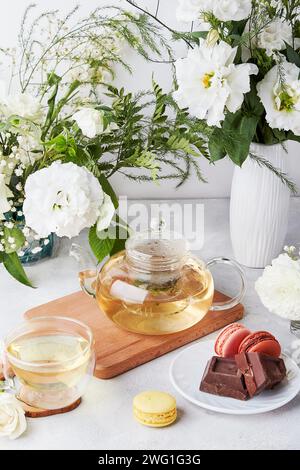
260 371
222 377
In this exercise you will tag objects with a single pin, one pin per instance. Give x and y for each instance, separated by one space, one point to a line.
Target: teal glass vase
38 250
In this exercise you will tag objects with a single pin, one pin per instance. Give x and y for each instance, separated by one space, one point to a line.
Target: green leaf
13 265
234 138
107 188
216 145
292 55
101 247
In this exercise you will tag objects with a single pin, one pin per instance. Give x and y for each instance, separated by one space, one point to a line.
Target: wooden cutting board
118 351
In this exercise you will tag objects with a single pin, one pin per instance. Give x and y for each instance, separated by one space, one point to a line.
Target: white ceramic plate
187 369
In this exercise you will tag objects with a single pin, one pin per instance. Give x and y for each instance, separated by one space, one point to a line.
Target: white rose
5 193
281 100
90 121
12 416
274 36
63 198
23 105
209 83
231 10
279 287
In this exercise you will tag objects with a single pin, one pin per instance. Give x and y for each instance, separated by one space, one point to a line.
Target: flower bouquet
241 74
67 130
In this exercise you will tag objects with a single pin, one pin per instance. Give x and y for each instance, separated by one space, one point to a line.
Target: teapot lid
157 249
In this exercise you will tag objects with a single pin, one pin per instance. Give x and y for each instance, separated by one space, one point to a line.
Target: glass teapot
155 286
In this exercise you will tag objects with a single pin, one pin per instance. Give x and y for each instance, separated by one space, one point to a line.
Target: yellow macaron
153 408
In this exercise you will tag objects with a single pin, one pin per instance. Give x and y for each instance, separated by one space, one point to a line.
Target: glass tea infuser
155 286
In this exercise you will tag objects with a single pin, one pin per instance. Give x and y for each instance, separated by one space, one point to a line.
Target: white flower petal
12 416
63 198
106 214
209 81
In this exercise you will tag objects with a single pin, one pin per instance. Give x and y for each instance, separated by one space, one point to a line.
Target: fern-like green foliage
152 134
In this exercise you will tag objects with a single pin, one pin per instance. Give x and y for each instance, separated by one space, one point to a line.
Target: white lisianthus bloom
63 198
12 416
279 287
5 193
23 105
231 10
91 122
190 10
223 10
281 100
274 36
209 83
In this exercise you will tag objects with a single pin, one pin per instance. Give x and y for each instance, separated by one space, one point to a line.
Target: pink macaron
228 341
261 342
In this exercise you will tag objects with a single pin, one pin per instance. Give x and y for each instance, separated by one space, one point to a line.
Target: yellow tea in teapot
150 307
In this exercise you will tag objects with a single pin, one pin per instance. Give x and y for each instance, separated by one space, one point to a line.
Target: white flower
274 36
90 121
30 147
279 287
224 10
63 198
107 211
190 10
231 10
5 193
209 82
281 101
23 105
12 416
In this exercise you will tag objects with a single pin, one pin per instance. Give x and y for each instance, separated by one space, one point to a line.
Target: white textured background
218 176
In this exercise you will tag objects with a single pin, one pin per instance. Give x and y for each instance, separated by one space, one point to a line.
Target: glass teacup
49 360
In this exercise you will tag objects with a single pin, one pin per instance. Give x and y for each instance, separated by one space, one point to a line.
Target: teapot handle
87 269
232 302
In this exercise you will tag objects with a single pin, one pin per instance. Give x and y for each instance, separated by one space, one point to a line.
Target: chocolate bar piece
222 377
260 371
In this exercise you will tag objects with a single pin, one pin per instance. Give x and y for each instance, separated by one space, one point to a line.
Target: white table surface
104 419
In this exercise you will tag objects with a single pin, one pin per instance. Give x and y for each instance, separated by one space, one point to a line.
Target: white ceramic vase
259 208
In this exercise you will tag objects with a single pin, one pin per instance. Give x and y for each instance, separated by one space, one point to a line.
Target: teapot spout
87 270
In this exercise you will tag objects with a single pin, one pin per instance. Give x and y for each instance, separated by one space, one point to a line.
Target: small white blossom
5 193
19 171
36 250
